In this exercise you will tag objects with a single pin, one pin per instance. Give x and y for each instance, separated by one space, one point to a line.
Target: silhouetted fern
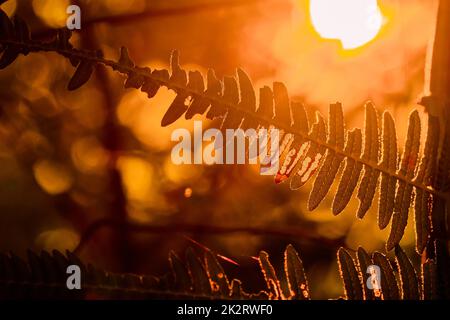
399 281
369 157
44 276
305 150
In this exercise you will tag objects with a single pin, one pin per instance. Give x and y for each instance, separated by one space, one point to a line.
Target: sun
353 22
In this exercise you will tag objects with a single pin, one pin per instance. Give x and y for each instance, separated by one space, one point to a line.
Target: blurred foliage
55 159
201 276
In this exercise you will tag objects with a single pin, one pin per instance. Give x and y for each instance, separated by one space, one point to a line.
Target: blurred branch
204 229
155 13
111 141
437 105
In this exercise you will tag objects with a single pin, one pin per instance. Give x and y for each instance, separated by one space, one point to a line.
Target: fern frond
369 181
307 150
200 279
429 281
297 281
404 190
236 289
389 286
352 171
388 162
332 162
273 284
181 277
310 162
350 276
408 276
426 174
81 75
411 287
44 277
364 261
217 277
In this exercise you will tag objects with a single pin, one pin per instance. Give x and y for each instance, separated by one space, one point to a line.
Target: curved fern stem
35 46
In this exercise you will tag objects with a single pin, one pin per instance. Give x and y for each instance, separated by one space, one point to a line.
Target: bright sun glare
353 22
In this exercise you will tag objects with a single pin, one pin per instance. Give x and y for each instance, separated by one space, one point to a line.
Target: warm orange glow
353 22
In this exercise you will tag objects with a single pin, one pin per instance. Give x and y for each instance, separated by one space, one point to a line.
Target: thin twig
284 232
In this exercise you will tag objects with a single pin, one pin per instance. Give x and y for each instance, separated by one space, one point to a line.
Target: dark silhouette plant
44 276
369 157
